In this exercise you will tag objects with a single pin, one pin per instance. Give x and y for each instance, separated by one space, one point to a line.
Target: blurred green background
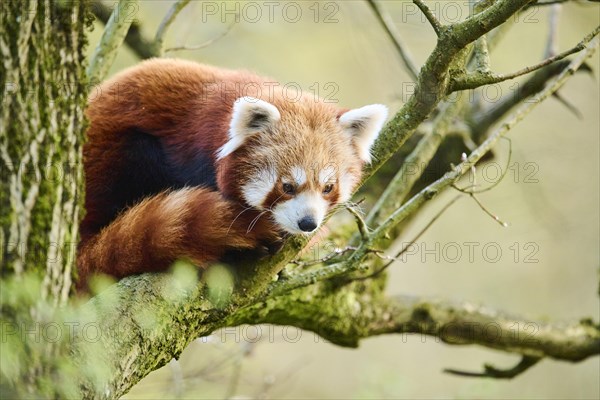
548 268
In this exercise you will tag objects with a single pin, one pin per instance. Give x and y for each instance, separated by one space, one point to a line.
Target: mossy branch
112 38
435 23
355 261
162 317
135 40
449 322
481 78
430 89
149 319
434 77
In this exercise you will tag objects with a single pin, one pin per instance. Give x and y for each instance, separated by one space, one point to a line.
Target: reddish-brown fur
187 107
194 223
168 99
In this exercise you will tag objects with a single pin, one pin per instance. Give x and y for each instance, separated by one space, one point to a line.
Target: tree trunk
144 321
41 130
42 53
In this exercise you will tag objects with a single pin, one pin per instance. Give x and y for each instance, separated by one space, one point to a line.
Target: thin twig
435 23
471 189
334 254
386 21
492 372
165 24
483 120
552 49
206 43
360 222
354 263
488 212
475 80
571 107
411 243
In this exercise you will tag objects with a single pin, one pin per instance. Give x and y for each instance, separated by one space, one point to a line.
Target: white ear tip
365 123
380 109
247 102
377 112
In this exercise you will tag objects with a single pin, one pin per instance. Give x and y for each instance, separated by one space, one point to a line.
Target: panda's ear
364 124
249 117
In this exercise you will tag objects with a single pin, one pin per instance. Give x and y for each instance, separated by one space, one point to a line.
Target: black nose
307 224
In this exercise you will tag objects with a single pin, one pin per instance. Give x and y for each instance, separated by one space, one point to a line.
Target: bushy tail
195 223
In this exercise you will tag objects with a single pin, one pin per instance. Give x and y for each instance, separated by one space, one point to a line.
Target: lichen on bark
41 133
148 319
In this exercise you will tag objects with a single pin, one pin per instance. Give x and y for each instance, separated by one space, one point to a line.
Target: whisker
266 210
255 220
274 201
237 216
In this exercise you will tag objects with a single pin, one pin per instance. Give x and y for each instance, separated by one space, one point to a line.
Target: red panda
185 160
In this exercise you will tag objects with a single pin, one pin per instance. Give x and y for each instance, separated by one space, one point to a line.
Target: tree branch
432 84
452 323
543 3
159 39
552 43
145 48
355 261
482 55
435 23
134 39
112 38
482 121
463 33
492 372
476 79
204 44
386 21
413 166
147 320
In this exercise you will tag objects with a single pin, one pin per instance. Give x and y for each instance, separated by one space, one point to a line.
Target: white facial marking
299 175
288 213
346 184
327 175
364 125
245 111
255 191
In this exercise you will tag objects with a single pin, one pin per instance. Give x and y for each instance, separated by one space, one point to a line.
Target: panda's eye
328 188
288 188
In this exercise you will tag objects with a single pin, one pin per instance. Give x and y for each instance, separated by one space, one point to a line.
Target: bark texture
132 328
42 57
41 133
